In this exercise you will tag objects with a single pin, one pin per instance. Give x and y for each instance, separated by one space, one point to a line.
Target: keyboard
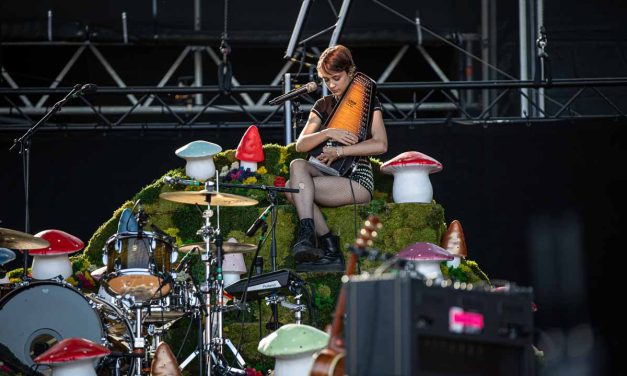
282 281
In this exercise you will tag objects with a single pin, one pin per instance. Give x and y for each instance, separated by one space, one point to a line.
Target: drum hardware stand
297 307
212 343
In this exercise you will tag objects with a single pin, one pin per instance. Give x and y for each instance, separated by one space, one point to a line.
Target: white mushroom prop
233 266
54 261
425 258
73 357
250 149
6 255
293 347
411 171
199 157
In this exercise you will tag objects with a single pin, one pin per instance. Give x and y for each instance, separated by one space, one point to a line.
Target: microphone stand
273 199
297 114
24 145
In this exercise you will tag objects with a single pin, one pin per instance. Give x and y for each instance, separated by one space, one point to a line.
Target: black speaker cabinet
398 325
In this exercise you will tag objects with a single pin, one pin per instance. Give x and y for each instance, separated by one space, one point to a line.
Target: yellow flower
250 180
72 281
89 278
282 156
285 170
262 170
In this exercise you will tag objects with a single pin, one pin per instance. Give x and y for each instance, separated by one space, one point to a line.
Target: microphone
85 89
89 88
183 263
259 265
261 220
178 181
307 88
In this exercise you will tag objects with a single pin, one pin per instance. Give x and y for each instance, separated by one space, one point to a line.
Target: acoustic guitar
330 361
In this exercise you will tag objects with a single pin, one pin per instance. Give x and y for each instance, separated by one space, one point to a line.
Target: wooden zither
352 113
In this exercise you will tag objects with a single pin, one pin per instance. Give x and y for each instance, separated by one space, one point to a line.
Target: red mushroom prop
455 242
73 357
53 260
411 171
425 258
250 149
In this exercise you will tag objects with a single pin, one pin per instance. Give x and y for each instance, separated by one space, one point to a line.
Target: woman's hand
341 136
330 154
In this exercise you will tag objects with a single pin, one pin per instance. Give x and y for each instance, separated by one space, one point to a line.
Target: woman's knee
298 165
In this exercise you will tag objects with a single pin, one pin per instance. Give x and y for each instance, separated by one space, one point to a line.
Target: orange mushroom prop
250 149
455 242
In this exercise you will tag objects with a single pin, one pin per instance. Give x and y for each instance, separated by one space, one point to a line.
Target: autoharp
352 113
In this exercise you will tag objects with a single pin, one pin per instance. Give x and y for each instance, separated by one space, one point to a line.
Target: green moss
403 224
467 271
93 251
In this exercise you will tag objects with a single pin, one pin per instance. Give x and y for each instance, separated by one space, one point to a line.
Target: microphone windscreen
311 87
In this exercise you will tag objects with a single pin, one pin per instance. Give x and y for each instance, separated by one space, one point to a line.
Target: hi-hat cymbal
205 197
20 240
226 247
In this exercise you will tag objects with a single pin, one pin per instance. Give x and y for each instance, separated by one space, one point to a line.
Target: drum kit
143 292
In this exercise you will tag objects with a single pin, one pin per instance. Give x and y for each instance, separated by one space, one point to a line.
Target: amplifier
397 325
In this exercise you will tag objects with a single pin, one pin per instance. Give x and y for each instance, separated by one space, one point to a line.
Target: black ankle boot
306 247
332 261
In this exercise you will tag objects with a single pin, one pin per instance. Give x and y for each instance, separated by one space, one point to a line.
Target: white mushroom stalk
51 266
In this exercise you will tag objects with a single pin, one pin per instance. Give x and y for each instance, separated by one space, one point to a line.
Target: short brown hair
336 59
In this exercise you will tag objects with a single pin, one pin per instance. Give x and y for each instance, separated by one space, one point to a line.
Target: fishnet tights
319 190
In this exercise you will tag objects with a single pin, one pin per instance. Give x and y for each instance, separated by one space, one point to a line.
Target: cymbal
20 240
205 197
226 247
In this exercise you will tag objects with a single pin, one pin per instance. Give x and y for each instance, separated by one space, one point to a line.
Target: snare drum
35 316
137 265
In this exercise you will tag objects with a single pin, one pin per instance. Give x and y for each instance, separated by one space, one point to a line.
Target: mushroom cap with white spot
423 251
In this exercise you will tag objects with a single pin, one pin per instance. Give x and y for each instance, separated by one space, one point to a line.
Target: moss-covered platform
403 224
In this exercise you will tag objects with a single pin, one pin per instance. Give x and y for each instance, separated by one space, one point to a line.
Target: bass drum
36 316
119 334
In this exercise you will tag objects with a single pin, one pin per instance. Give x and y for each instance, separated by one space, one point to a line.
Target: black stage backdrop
541 205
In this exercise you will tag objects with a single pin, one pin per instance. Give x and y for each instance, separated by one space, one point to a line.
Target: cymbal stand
213 338
139 343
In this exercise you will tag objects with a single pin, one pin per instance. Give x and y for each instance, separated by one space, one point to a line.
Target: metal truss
419 110
469 100
233 104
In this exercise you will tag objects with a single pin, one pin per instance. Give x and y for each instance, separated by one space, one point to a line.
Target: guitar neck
336 342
